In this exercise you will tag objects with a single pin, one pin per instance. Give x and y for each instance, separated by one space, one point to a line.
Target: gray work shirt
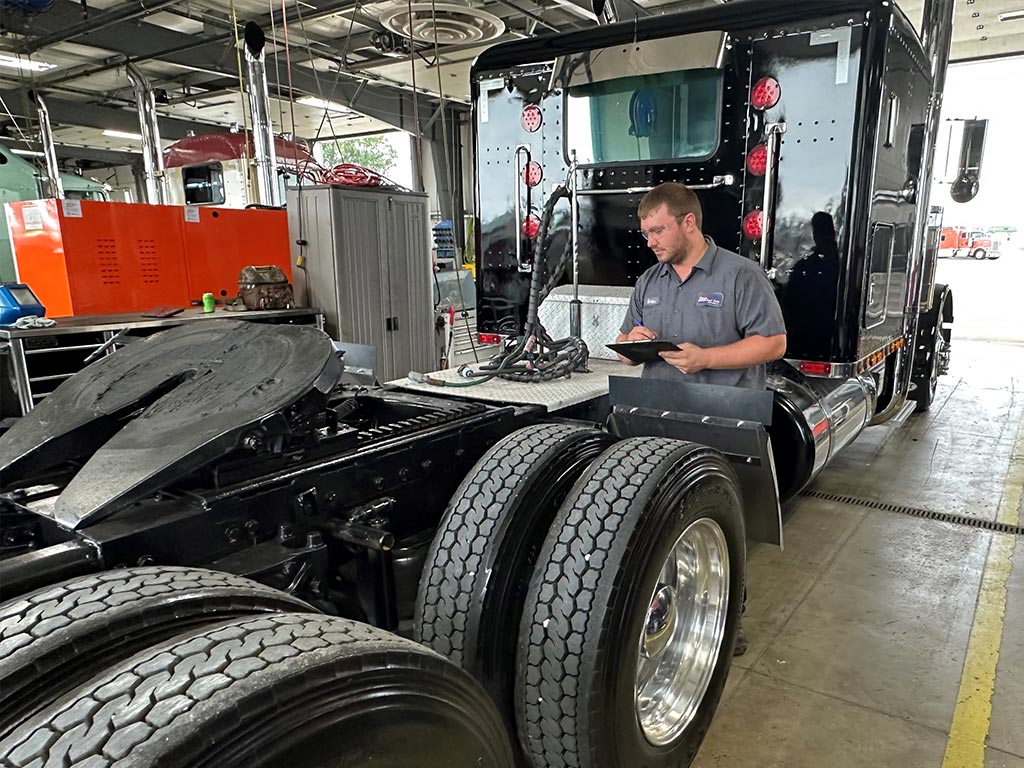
724 299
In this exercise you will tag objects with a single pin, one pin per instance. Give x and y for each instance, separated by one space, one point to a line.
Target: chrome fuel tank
814 419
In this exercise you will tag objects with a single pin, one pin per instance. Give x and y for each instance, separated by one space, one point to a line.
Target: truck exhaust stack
152 154
55 187
259 112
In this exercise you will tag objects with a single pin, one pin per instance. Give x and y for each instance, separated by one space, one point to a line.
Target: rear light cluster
533 174
532 119
489 338
753 225
764 94
757 160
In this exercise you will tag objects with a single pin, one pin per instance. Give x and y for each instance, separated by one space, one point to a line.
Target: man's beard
680 256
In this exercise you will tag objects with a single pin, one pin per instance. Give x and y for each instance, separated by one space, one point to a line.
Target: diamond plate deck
552 395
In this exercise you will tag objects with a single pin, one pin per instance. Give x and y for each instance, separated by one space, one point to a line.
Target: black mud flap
159 409
731 420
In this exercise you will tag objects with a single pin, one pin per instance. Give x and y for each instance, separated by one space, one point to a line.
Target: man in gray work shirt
718 307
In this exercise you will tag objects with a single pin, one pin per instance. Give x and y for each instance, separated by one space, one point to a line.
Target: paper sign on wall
32 217
72 208
192 214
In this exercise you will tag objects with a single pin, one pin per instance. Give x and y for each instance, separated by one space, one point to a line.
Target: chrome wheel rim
683 632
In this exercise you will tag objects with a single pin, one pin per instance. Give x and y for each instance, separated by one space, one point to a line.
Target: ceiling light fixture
123 135
318 103
1012 15
28 152
33 65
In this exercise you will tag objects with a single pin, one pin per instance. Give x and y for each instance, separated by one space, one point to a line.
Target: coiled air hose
534 356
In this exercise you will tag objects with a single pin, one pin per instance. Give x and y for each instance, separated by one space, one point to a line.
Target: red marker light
815 369
532 118
531 227
766 93
757 160
489 338
533 173
753 225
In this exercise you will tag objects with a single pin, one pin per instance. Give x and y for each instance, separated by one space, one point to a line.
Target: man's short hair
678 198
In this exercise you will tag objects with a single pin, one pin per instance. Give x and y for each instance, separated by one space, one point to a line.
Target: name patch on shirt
651 301
710 299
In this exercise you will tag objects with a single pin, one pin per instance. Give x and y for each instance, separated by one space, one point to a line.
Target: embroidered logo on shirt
710 299
651 301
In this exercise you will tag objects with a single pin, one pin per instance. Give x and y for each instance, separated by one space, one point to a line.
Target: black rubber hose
539 260
563 357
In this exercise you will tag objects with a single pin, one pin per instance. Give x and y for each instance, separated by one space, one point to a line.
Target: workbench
39 359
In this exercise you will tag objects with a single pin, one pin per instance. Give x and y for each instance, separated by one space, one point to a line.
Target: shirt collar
706 263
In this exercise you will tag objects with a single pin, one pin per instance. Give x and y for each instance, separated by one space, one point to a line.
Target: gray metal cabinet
366 264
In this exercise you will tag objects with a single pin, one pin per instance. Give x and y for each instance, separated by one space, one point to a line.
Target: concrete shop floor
859 629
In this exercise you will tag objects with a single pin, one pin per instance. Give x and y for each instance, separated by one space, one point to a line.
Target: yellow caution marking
973 714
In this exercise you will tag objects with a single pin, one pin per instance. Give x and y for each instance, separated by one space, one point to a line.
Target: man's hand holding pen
640 333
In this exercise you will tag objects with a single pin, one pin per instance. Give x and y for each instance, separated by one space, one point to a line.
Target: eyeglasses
647 234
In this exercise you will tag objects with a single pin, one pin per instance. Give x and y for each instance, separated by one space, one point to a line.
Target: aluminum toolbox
603 310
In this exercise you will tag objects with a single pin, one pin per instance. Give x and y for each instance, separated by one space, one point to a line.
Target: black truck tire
478 569
934 336
597 594
284 691
56 638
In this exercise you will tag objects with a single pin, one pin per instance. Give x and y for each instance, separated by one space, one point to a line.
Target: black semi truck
807 131
216 548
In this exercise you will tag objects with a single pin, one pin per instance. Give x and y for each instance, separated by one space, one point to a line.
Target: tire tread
460 545
132 705
61 634
553 635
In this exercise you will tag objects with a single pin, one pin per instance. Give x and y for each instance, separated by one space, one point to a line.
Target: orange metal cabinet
87 257
225 240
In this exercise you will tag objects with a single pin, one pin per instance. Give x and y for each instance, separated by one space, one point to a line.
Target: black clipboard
643 351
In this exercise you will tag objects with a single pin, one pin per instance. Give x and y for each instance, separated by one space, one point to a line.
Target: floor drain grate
927 514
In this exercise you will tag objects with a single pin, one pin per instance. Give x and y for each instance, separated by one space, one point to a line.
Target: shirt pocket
654 318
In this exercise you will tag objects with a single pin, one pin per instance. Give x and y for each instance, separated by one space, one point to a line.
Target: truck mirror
966 184
964 189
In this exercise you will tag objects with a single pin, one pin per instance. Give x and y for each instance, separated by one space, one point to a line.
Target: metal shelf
69 348
55 377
